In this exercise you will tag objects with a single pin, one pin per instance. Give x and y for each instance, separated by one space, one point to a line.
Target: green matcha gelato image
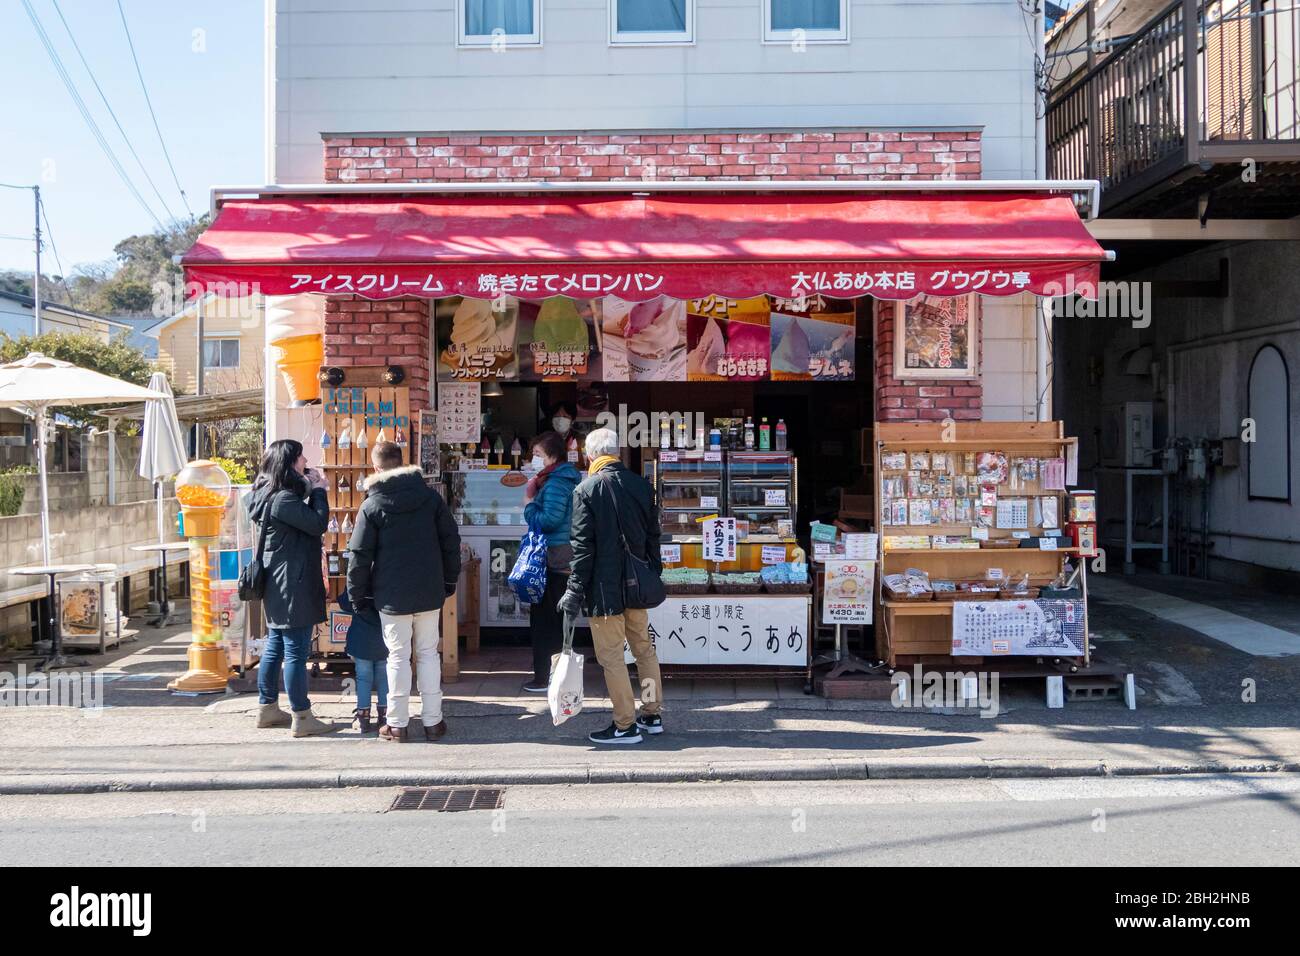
560 338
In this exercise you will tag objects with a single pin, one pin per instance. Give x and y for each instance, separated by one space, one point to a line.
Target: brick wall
391 332
736 155
905 400
355 336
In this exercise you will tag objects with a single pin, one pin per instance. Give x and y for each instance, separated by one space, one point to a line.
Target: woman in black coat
289 498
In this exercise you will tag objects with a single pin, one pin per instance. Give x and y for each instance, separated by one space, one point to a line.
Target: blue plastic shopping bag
528 577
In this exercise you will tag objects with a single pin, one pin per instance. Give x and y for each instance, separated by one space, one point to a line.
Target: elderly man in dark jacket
404 561
611 505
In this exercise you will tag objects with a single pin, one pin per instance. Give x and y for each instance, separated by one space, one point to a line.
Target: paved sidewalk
1205 706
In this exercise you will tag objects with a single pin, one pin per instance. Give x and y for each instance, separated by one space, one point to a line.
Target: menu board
848 593
427 442
459 412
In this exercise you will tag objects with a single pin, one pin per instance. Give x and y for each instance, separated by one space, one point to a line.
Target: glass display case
486 498
762 488
688 488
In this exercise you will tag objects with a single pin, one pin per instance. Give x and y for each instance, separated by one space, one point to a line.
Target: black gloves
448 589
570 604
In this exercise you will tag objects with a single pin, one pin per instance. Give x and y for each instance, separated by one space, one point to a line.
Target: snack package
1049 513
991 466
893 461
920 461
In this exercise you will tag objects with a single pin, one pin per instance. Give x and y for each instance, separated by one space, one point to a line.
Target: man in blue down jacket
405 561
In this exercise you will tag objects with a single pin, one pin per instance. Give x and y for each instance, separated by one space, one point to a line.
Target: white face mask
537 463
561 425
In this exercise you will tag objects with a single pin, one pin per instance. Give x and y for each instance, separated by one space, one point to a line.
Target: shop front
741 341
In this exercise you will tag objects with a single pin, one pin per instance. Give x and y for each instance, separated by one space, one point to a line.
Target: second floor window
651 21
815 21
220 353
513 22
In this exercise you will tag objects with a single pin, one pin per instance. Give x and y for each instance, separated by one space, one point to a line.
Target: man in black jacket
611 505
404 561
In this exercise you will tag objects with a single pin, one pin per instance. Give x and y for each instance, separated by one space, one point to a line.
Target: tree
115 358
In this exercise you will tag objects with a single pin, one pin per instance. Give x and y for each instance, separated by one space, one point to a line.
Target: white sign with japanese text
738 630
720 539
848 595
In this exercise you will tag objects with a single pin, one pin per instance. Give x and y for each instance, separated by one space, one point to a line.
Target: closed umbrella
162 449
35 384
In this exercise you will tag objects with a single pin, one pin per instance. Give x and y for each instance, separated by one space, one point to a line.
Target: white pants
399 630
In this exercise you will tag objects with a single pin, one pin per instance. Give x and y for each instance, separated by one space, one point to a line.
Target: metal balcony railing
1124 122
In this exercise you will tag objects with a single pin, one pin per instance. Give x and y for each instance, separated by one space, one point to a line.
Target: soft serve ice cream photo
648 339
479 341
813 345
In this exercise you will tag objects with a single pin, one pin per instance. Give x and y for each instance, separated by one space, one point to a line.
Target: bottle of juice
764 436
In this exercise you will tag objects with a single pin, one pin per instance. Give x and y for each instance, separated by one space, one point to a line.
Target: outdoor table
162 549
52 571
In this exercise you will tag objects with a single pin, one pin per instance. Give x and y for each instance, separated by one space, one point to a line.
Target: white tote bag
564 691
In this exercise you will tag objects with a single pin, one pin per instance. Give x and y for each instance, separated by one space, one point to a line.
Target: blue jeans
290 647
371 675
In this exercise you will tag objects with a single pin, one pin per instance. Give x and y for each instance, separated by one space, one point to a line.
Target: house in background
16 318
1188 113
233 345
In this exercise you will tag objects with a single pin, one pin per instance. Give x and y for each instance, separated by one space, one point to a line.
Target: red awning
888 244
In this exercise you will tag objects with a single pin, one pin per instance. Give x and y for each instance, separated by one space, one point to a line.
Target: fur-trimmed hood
398 490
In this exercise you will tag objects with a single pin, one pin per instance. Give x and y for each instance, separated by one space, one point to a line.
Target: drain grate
448 799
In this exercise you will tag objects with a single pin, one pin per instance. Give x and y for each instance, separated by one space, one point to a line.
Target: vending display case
762 489
488 506
488 497
689 485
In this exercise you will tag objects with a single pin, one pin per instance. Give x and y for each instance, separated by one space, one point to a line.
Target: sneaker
612 735
650 723
536 687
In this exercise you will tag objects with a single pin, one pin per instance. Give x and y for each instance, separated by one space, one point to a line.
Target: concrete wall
90 486
98 534
343 66
1204 347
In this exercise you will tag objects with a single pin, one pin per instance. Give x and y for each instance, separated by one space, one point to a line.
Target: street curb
755 772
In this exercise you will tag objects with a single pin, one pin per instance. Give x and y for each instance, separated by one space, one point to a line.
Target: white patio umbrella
162 450
35 384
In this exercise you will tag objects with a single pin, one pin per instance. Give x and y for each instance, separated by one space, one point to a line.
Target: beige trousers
609 634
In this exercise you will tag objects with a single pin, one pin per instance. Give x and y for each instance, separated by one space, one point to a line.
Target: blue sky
202 63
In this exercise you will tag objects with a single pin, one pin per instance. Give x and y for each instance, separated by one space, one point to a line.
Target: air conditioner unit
1127 434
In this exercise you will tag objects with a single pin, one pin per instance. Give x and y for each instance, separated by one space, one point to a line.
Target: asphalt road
1185 820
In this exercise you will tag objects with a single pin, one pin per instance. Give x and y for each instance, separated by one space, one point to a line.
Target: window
489 22
651 21
220 353
814 21
1268 458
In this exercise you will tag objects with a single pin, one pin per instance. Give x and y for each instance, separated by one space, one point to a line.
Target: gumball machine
203 490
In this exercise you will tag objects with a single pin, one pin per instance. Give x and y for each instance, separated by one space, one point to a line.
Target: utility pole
36 286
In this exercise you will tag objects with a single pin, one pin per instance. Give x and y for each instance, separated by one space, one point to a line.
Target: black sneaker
536 687
650 723
612 735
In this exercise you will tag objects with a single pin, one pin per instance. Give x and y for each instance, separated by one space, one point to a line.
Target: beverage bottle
765 436
715 438
749 434
681 434
664 434
781 437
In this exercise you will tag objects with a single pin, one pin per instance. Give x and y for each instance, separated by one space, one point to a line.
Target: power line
76 46
85 113
144 89
63 276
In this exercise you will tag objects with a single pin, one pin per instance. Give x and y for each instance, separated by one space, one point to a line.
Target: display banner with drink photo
476 338
812 340
727 340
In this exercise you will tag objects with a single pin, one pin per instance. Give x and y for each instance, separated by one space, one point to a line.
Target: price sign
667 456
708 501
773 553
774 497
670 553
720 539
979 534
847 598
1046 544
713 456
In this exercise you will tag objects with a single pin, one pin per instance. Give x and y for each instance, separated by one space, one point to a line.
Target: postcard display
972 520
355 418
722 616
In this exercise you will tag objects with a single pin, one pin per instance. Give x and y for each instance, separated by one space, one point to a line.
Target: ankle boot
362 717
270 715
381 718
306 724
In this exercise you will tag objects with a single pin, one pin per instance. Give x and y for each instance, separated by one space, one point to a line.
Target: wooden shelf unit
921 631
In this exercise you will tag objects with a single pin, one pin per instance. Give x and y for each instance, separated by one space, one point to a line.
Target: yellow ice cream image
474 327
481 339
